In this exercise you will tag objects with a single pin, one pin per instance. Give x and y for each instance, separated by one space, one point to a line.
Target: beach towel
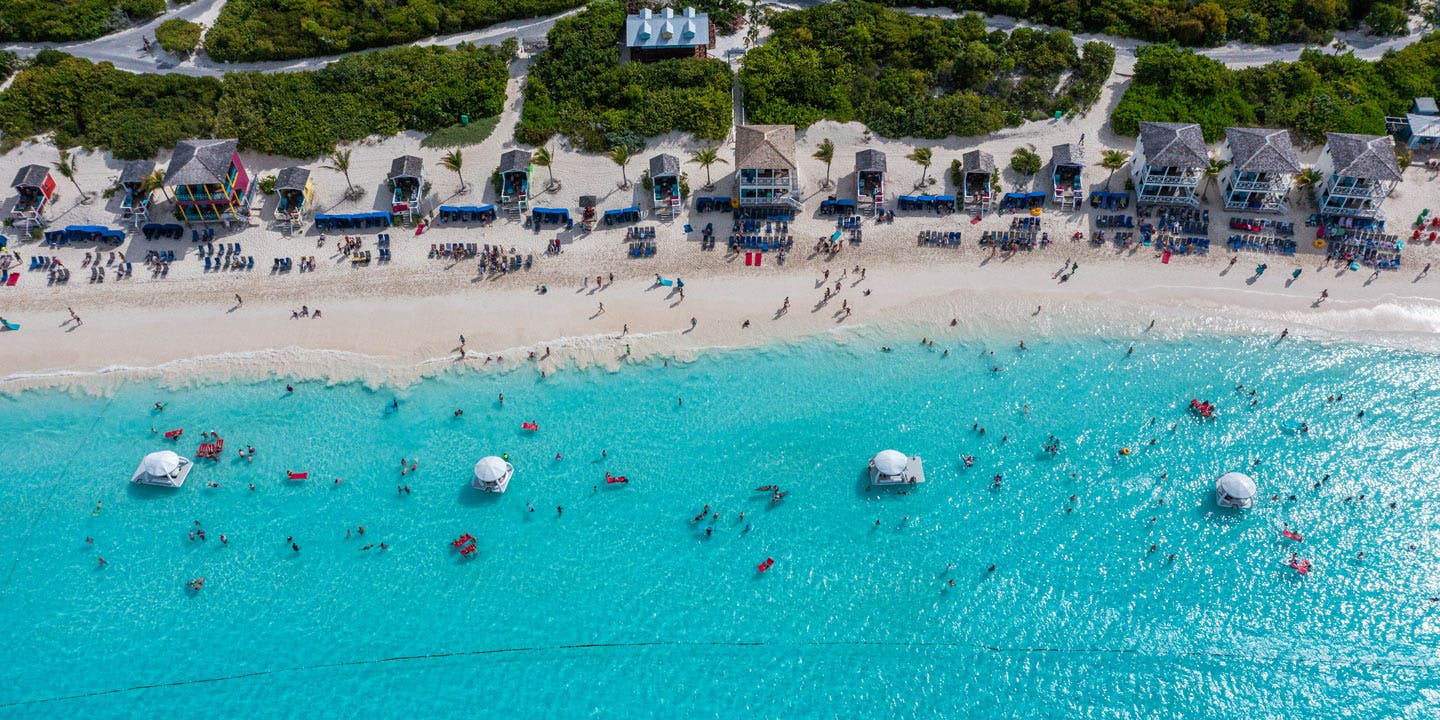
14 278
748 259
1165 258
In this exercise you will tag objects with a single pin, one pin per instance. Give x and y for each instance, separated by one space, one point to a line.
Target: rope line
1415 664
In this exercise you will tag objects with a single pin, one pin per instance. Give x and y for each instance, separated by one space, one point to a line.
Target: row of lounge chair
1011 238
1182 245
939 238
1263 225
230 262
1183 222
640 233
642 248
157 231
205 235
1115 221
753 226
57 276
225 249
1262 243
454 250
161 256
763 243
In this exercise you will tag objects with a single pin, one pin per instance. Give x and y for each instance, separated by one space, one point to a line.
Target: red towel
1165 258
14 278
747 259
758 258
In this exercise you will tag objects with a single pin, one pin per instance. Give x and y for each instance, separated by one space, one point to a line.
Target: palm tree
1212 171
67 169
826 153
340 162
152 182
1308 179
454 161
921 157
545 159
705 157
1113 160
620 155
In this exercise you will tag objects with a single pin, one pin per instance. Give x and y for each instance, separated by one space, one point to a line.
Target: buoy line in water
731 644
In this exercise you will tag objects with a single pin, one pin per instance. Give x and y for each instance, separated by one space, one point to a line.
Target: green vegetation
917 76
579 89
1319 93
1212 22
64 20
249 30
178 37
10 63
1025 161
462 135
293 114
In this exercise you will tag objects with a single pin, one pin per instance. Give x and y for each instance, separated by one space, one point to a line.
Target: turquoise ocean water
624 607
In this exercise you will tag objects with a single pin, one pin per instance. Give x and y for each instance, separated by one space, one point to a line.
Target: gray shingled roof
292 178
765 146
135 172
30 176
1262 150
977 161
1067 154
1425 126
200 162
870 161
662 165
515 161
1363 156
1179 145
407 166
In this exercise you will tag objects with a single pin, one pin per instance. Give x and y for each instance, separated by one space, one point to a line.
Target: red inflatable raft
532 427
174 434
1203 408
297 475
762 567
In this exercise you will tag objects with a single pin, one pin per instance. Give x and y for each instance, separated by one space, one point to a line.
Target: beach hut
766 177
892 467
1169 162
515 181
650 37
1262 166
208 182
665 185
1420 128
1357 173
1235 490
1066 163
978 181
870 180
163 468
293 186
407 186
492 474
34 186
135 206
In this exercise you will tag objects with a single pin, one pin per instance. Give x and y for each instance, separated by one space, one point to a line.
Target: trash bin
464 119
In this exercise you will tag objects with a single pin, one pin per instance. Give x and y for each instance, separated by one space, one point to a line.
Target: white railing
1275 185
1185 180
1366 191
765 182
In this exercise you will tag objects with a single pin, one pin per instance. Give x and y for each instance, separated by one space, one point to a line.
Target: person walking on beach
238 300
601 311
1426 270
692 323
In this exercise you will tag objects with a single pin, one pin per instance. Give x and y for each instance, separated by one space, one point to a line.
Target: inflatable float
615 479
292 475
762 567
1292 535
465 539
1202 408
531 426
174 434
1300 565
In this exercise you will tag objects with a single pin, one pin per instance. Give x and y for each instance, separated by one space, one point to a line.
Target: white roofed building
666 34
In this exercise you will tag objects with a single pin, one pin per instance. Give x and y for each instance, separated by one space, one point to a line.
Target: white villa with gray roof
1263 165
1169 163
1358 172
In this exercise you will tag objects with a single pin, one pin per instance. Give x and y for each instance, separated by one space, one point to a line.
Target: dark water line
997 649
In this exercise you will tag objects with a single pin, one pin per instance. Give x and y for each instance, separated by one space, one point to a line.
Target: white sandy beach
396 322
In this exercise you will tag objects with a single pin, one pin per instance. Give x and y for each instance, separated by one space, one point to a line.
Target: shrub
579 89
178 37
249 30
52 21
918 76
294 114
1025 162
1387 20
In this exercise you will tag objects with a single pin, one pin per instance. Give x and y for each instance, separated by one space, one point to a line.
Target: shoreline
411 336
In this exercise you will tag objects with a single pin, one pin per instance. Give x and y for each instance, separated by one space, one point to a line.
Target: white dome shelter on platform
492 474
892 467
1235 490
163 468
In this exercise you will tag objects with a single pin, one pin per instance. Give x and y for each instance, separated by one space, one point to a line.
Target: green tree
1113 160
1386 19
1212 173
620 155
705 157
922 157
545 159
1025 161
67 168
1308 179
454 161
178 37
826 153
340 162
